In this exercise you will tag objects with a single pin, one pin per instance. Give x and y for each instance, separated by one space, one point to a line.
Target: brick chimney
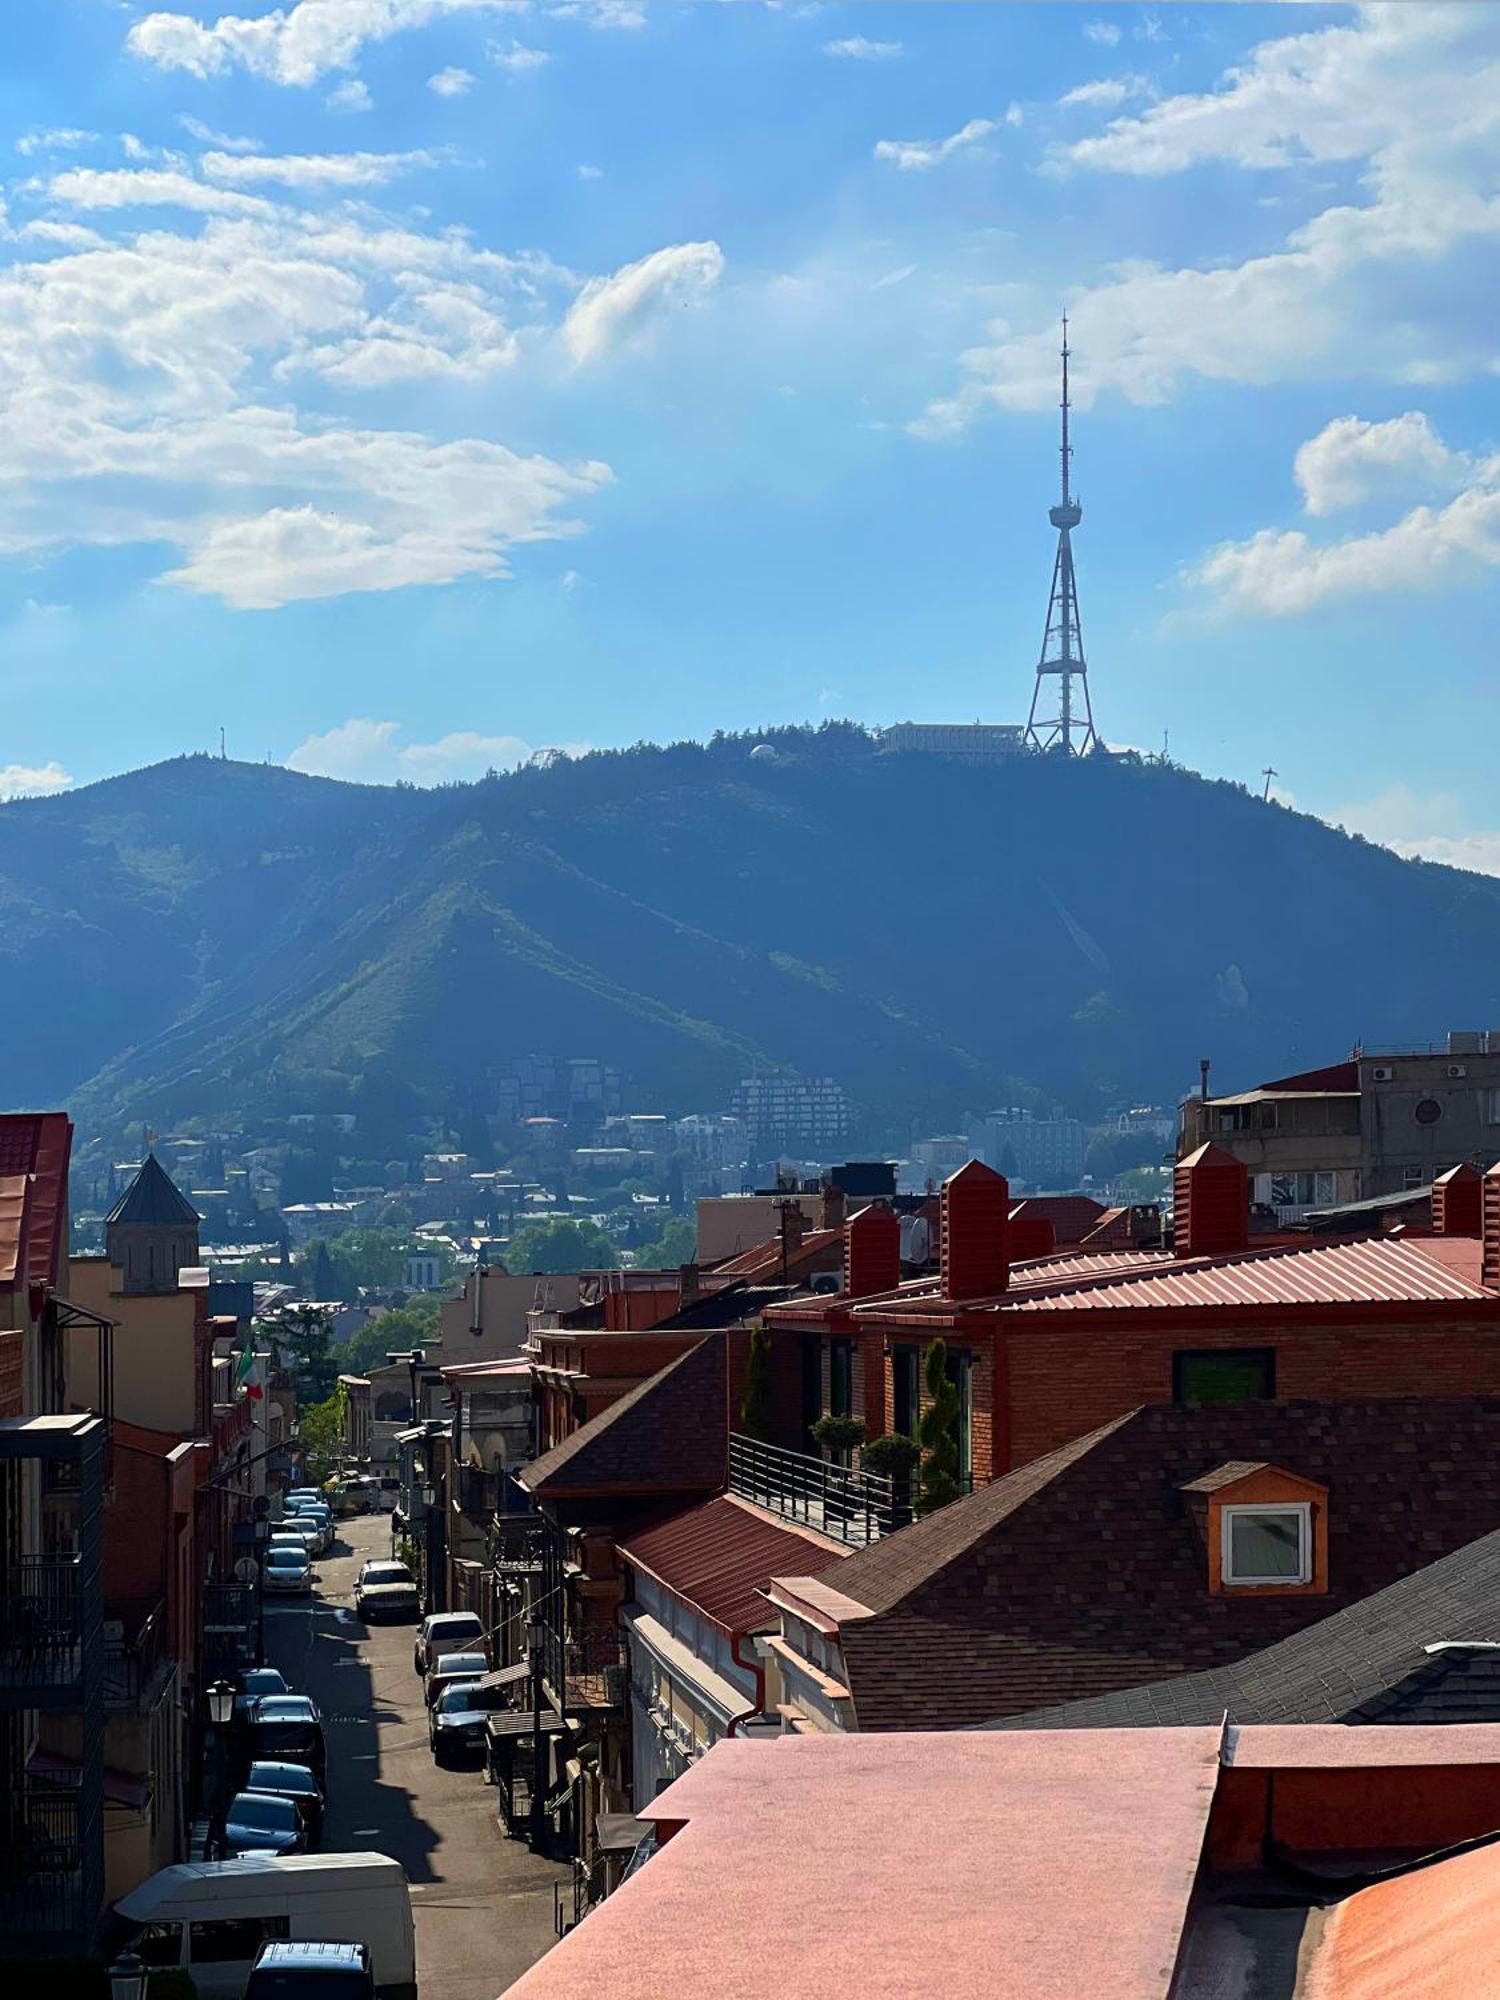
973 1233
1458 1201
1031 1236
1489 1267
1212 1203
835 1207
872 1253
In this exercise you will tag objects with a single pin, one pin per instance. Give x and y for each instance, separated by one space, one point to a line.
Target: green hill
230 940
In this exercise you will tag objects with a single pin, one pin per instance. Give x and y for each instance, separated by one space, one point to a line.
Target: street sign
247 1570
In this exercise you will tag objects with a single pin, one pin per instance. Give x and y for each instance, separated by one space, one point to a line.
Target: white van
211 1917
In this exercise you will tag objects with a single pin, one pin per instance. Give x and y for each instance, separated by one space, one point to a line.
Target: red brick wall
1064 1383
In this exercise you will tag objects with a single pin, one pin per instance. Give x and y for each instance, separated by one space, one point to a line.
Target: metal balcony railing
515 1542
850 1506
43 1879
132 1650
41 1621
588 1668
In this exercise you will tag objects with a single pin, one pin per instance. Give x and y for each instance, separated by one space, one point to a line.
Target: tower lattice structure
1065 721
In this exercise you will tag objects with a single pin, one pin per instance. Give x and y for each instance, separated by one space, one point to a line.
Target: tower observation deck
1062 716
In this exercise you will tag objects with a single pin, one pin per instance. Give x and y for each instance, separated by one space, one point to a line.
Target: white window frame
1229 1514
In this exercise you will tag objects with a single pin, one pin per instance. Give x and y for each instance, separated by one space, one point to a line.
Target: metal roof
719 1557
1381 1271
153 1200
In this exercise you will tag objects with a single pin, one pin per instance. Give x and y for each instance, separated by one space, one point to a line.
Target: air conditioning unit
1382 1073
1458 1069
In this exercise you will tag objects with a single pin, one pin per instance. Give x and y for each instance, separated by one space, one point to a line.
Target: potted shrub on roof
894 1457
839 1437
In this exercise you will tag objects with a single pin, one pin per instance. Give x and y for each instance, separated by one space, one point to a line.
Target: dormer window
1266 1545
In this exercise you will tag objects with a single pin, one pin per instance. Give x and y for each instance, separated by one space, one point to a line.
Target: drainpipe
756 1667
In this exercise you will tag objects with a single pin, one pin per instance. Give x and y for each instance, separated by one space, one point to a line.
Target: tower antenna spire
1070 729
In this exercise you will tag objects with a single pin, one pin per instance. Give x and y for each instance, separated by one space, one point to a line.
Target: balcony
849 1506
41 1624
133 1650
48 1897
515 1544
585 1670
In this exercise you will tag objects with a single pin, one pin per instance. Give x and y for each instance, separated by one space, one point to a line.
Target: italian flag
246 1376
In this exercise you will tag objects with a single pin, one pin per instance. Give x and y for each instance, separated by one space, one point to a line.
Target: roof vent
974 1247
1211 1202
1457 1201
872 1253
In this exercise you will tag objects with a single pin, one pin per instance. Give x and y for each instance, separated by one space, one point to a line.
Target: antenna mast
1070 729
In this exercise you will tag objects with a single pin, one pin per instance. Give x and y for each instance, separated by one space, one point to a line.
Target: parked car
455 1723
386 1590
250 1684
446 1632
387 1493
332 1971
262 1823
450 1668
290 1499
296 1532
287 1729
287 1572
210 1918
317 1515
295 1782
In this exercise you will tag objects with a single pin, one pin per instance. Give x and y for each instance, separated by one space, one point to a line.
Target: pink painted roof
1338 1746
866 1867
485 1371
1377 1271
1433 1934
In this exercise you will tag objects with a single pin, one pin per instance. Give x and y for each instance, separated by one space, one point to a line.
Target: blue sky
404 384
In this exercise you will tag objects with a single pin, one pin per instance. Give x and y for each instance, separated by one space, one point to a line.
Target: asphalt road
483 1903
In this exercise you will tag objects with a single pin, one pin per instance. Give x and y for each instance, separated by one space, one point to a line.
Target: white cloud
855 48
898 276
368 752
432 330
352 96
1105 91
1422 828
609 310
33 781
150 187
222 141
1350 462
517 58
586 173
290 45
917 155
622 14
451 83
1406 97
61 139
1105 32
310 170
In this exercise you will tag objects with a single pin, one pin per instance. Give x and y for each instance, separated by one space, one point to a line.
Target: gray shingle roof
153 1200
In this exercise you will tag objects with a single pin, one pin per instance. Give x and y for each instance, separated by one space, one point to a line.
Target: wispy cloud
221 141
451 83
516 57
310 170
351 96
289 45
33 781
610 310
1106 33
364 751
60 139
919 155
857 48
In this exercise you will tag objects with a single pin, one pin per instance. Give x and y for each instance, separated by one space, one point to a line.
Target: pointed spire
153 1200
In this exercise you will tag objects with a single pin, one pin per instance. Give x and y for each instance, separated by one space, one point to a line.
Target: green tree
304 1333
755 1400
676 1245
395 1331
560 1247
938 1433
321 1429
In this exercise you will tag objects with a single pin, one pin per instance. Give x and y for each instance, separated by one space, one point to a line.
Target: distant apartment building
572 1088
803 1115
1374 1126
1042 1152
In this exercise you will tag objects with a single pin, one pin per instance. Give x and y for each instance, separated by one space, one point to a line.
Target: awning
121 1788
504 1677
620 1833
508 1724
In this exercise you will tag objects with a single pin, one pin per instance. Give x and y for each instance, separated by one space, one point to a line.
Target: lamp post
262 1537
535 1634
127 1977
218 1699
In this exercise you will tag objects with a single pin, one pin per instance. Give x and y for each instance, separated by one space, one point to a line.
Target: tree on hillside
560 1247
938 1434
304 1333
676 1245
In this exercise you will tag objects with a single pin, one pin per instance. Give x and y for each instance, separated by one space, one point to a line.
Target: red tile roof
720 1556
763 1260
1071 1215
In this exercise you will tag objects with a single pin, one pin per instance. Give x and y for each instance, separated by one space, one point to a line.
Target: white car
287 1573
386 1590
316 1516
303 1535
446 1632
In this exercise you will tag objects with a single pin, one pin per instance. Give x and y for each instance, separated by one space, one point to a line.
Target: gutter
757 1667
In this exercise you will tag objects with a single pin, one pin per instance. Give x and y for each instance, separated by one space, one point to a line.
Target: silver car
287 1573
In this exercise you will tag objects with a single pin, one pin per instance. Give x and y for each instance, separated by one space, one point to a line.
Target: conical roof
153 1200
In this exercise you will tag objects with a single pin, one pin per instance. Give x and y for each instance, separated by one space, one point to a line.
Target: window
960 1372
1414 1177
228 1940
841 1377
159 1945
1267 1545
1492 1107
905 1378
1314 1190
1235 1119
1223 1375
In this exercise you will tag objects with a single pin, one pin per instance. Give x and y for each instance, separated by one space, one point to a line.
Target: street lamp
218 1699
127 1978
219 1696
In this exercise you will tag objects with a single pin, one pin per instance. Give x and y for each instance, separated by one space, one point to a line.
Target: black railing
849 1506
229 1625
587 1668
515 1541
132 1651
41 1621
477 1492
43 1886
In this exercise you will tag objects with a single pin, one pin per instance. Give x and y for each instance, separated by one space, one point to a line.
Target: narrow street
483 1903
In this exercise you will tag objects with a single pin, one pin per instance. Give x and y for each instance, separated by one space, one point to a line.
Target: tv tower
1071 729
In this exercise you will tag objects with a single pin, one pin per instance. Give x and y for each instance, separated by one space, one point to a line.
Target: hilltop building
1376 1125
